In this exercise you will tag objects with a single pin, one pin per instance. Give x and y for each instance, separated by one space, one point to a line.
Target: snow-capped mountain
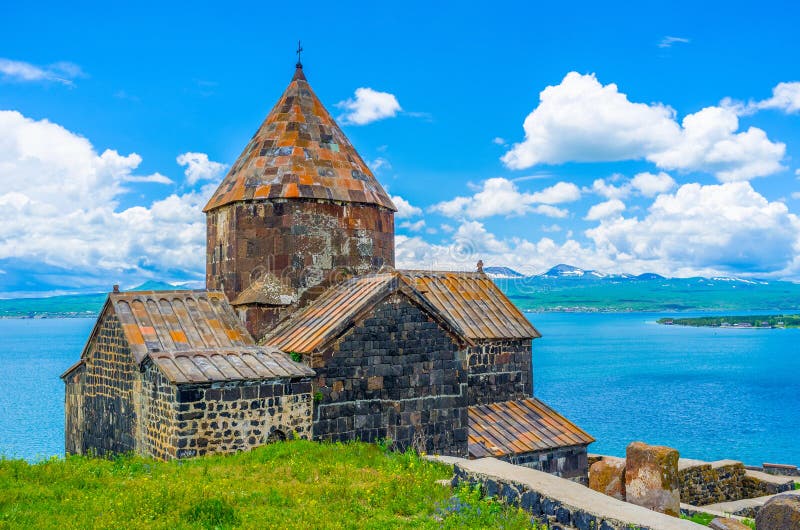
502 273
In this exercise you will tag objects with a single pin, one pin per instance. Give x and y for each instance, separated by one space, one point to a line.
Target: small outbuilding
174 374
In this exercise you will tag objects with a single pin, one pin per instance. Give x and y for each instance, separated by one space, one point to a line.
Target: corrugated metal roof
228 365
522 426
194 336
300 152
337 308
475 303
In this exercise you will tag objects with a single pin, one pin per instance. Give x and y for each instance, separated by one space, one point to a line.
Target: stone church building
306 328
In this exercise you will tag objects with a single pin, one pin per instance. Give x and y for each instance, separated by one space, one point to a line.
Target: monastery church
306 330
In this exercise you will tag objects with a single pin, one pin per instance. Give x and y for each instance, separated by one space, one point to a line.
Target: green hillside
296 484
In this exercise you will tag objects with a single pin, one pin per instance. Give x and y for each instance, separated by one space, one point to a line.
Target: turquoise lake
710 393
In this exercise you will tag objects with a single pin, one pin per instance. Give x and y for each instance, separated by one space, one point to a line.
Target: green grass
797 485
295 484
706 518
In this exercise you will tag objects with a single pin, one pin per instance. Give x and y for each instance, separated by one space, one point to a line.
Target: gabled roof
299 152
330 315
267 290
194 336
474 302
516 427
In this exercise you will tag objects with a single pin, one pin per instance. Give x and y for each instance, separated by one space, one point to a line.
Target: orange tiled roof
476 304
327 317
516 427
300 152
195 337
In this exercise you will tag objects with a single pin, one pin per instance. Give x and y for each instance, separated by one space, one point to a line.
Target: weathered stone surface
782 512
395 374
608 477
726 523
703 483
651 478
499 370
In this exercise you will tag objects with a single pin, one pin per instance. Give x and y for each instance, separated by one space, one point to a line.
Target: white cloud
368 106
199 167
20 71
498 140
668 41
650 185
606 209
500 196
404 208
707 230
413 227
609 191
725 227
581 120
785 97
378 164
59 200
708 143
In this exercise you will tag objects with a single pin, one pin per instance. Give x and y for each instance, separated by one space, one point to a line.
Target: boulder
608 477
651 478
781 512
726 523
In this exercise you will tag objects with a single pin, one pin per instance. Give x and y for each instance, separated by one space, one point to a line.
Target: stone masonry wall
298 240
396 374
238 416
500 371
73 410
709 483
109 419
565 462
156 412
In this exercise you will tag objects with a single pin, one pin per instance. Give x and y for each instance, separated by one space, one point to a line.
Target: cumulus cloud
582 120
650 185
725 227
404 208
413 226
500 196
785 97
611 208
20 71
378 164
59 199
368 106
706 230
199 167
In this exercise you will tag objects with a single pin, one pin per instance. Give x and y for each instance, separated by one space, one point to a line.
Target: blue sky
668 141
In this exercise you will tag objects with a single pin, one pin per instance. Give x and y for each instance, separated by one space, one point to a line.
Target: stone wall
156 413
107 421
565 462
301 241
396 374
704 483
73 409
500 370
560 503
238 416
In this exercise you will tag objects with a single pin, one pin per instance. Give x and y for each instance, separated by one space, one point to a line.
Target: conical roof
300 152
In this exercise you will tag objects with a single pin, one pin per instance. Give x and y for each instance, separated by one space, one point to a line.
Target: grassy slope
295 484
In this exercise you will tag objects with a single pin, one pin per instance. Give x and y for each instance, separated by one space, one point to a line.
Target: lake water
710 393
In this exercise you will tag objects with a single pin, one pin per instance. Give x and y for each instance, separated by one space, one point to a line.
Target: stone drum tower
299 209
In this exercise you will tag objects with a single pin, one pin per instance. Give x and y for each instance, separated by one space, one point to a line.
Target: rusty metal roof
195 337
299 152
522 426
475 303
330 315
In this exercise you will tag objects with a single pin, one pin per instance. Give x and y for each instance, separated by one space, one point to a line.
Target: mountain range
561 288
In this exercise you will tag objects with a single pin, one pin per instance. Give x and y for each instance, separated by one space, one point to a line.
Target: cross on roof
298 52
